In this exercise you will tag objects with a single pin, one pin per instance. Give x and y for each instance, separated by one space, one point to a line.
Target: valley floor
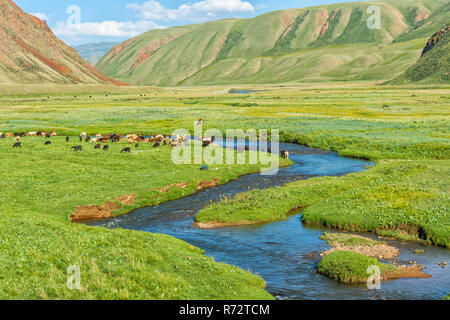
404 129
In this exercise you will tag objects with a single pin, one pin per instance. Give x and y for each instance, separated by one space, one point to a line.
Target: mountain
31 53
322 43
93 52
434 63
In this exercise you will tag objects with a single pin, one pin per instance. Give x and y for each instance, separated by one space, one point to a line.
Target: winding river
280 252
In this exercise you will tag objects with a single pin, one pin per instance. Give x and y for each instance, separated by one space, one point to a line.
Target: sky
92 21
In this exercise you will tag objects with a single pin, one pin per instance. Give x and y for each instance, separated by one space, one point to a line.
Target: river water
280 252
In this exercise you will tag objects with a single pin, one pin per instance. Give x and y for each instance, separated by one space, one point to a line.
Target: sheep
83 134
9 135
284 154
106 147
77 148
131 136
159 138
19 134
95 140
97 146
67 139
47 143
126 150
88 138
39 133
54 134
17 145
2 136
16 139
156 145
32 134
47 135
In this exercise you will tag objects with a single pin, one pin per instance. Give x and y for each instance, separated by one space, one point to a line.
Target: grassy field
405 129
41 186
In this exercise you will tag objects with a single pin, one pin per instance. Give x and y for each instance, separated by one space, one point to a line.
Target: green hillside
434 64
323 43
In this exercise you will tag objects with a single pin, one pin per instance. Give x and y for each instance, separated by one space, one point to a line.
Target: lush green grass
447 297
41 188
408 197
348 267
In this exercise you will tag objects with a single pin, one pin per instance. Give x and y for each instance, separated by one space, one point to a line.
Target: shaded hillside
31 53
93 52
320 43
434 64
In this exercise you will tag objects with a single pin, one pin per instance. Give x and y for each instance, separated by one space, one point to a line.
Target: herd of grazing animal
156 141
135 139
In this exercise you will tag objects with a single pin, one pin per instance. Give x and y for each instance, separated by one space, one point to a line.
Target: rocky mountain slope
31 53
322 43
434 63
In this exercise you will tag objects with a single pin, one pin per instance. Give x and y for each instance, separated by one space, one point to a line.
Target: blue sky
117 20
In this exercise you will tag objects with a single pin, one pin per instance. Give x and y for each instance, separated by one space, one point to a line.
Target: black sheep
77 148
67 139
126 150
156 145
17 145
98 146
47 143
106 147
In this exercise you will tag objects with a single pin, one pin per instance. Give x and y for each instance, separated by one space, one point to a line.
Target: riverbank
43 185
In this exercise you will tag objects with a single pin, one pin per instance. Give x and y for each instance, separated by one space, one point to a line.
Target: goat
17 145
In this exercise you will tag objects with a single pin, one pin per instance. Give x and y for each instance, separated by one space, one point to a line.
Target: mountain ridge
279 46
31 53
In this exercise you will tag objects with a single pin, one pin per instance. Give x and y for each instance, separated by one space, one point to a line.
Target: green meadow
404 129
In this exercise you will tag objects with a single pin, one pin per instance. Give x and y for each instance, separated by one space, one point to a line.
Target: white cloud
193 12
105 28
41 16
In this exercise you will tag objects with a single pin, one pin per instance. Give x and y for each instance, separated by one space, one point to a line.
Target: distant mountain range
322 43
31 53
93 52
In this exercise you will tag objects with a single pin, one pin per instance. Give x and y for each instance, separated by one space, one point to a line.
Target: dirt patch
129 200
379 251
174 185
207 184
405 272
93 212
359 244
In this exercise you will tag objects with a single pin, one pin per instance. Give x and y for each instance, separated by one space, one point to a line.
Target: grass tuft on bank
349 267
